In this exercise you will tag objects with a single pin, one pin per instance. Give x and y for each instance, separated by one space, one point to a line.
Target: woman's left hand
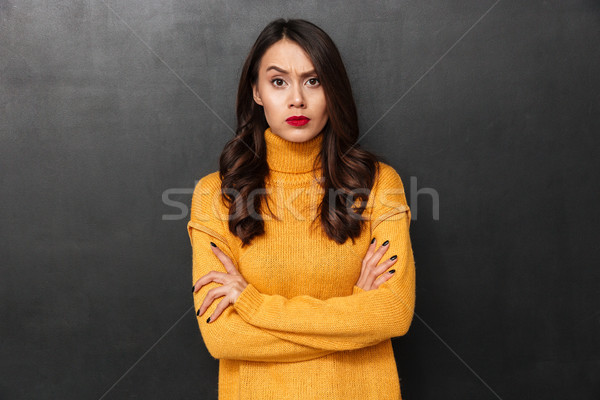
233 283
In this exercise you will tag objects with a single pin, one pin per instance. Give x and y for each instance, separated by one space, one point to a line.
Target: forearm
230 336
362 319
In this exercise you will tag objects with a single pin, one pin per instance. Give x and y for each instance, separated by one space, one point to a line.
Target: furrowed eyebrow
283 71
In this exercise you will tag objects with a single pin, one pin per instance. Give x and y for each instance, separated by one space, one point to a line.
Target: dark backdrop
112 110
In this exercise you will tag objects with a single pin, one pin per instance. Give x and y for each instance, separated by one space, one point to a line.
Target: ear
256 95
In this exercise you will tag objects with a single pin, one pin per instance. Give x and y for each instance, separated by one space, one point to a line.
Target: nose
297 97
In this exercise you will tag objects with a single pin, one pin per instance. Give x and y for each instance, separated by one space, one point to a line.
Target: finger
223 304
371 249
212 276
225 260
381 268
384 247
211 295
379 253
383 278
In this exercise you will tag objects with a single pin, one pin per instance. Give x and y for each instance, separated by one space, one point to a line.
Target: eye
278 82
314 82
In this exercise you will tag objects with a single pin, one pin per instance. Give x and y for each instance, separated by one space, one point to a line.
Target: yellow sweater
301 329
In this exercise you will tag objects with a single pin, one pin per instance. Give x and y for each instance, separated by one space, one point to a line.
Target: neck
291 157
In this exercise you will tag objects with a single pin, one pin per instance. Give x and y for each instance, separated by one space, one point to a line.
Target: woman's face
287 86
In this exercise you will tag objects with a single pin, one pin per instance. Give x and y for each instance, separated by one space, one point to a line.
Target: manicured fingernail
385 243
212 244
193 288
393 257
372 240
208 320
198 312
391 271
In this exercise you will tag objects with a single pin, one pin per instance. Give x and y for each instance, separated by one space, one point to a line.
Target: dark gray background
106 108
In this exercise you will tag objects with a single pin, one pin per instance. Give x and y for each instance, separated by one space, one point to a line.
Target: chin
301 137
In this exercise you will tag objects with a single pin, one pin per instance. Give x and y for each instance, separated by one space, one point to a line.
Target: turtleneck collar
291 157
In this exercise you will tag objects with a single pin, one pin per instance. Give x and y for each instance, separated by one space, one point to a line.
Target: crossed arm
264 327
261 327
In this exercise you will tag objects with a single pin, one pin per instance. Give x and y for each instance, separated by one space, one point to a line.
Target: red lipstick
297 120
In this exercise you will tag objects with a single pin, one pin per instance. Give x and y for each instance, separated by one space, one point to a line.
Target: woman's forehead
286 56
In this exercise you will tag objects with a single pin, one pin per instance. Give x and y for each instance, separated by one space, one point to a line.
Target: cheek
323 107
270 109
271 100
321 102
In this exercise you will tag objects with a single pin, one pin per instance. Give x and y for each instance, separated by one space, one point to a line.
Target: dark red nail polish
212 244
391 271
198 312
372 240
393 257
385 243
193 289
208 320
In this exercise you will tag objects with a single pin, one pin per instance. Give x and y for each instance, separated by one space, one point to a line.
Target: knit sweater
302 329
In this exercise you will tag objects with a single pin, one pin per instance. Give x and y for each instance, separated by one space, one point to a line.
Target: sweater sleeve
364 318
230 337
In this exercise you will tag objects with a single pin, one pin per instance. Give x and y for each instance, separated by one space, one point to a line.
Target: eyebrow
283 71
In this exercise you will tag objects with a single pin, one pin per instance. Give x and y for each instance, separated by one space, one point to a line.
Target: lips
298 120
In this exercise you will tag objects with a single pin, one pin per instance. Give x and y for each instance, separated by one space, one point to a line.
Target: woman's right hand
369 278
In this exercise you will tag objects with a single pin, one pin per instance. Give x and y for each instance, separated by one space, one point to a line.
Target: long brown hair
345 166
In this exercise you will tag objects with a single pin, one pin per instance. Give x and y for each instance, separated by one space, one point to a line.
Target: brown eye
314 81
277 82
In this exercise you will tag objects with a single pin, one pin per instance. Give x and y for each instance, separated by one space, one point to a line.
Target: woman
294 302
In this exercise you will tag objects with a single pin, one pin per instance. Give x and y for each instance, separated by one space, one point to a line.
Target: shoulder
388 177
206 198
210 181
389 197
209 185
208 212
